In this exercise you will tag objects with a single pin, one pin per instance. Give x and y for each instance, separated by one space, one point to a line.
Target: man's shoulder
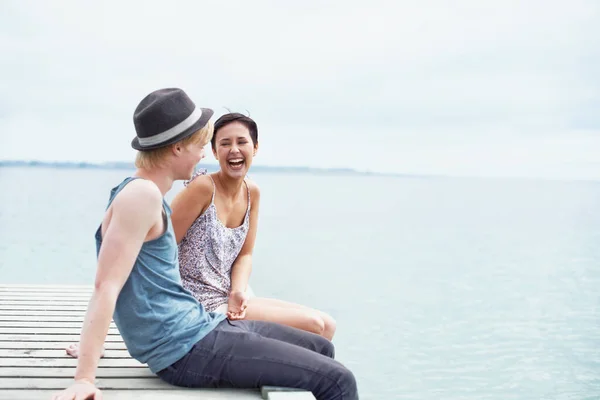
140 195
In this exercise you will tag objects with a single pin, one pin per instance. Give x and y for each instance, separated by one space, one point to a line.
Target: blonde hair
154 158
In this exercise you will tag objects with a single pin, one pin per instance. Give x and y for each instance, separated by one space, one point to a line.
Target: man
138 282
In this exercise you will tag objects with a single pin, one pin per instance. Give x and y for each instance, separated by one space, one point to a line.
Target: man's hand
237 304
80 390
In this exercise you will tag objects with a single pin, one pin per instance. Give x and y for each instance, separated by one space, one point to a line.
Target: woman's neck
230 187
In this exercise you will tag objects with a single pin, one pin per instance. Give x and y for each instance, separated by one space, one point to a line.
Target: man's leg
233 355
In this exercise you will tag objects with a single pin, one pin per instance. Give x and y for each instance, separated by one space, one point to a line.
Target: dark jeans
251 354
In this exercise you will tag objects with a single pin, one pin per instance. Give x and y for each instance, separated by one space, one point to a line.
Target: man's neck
161 178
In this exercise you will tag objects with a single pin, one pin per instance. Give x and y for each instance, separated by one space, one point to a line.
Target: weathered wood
69 372
47 302
66 362
54 345
58 353
32 337
43 307
48 331
101 383
38 322
176 394
44 324
38 313
42 318
291 396
45 286
45 289
277 392
43 297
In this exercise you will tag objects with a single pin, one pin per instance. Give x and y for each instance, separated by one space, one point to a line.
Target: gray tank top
207 252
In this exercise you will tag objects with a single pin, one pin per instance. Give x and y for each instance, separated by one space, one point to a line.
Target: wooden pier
37 322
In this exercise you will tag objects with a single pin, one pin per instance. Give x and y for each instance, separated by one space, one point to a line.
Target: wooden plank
278 392
42 318
37 313
291 396
27 302
175 394
23 301
44 286
43 307
54 345
69 372
44 296
50 338
103 383
37 322
58 353
44 324
67 362
43 292
48 331
42 289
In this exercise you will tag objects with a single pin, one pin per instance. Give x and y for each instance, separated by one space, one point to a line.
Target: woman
215 221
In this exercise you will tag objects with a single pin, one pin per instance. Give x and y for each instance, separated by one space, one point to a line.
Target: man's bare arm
134 213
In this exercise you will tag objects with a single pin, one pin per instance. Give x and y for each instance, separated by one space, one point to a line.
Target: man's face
190 156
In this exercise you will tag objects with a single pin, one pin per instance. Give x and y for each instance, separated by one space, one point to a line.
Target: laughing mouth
236 162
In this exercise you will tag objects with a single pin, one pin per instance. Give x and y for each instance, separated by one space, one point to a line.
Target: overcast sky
498 88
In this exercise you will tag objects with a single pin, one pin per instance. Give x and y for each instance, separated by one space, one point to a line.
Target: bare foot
73 350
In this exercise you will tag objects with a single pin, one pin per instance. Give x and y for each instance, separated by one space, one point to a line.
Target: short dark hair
229 118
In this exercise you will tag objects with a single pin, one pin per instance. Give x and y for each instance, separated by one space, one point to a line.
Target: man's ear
176 149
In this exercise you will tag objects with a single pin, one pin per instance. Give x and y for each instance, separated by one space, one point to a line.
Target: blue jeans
251 354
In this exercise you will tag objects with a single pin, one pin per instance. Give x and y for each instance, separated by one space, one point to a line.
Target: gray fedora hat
166 116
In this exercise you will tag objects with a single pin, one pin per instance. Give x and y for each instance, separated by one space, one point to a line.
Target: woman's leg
291 314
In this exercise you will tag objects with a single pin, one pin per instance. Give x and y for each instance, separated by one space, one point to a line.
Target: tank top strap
212 200
114 191
202 171
248 190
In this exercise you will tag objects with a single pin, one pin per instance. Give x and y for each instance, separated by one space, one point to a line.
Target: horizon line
116 165
130 165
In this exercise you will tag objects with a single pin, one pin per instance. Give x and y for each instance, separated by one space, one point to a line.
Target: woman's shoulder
253 188
200 185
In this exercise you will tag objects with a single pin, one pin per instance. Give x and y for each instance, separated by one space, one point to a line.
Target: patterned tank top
207 252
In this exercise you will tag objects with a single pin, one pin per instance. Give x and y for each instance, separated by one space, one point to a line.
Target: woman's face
234 149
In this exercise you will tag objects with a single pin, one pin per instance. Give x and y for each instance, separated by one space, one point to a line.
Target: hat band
172 132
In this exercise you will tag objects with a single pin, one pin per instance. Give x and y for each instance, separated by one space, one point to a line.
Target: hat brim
207 113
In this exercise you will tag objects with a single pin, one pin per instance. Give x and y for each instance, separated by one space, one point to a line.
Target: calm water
442 288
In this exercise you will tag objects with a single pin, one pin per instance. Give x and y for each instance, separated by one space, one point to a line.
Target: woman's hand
237 304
